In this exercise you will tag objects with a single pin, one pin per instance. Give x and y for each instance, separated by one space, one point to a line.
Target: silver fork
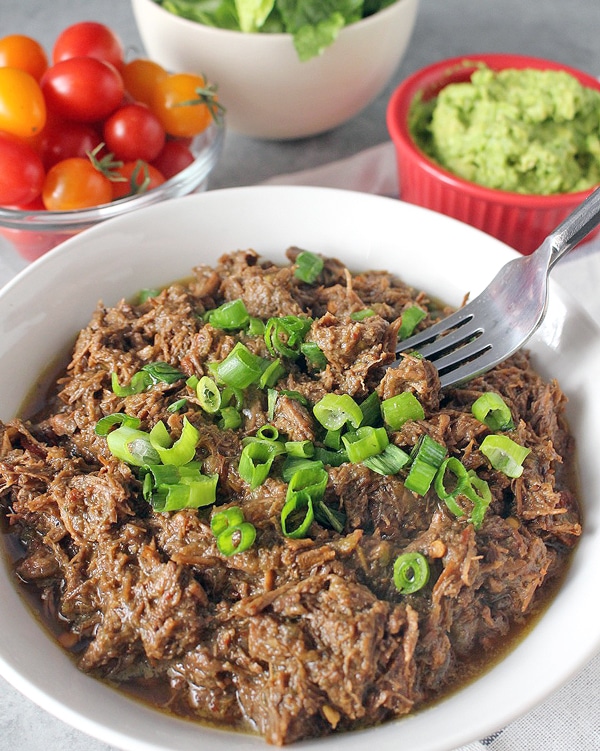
501 319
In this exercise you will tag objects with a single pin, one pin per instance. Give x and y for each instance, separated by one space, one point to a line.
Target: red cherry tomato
75 184
174 157
139 177
23 52
83 89
140 77
134 132
22 105
21 171
63 139
88 39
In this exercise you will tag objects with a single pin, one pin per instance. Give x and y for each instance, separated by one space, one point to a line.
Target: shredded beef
294 637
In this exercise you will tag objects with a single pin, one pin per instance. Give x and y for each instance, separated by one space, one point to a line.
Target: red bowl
521 221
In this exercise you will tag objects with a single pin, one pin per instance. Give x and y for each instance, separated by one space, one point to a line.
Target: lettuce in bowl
314 24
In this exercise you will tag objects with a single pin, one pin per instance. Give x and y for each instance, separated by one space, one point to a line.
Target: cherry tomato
174 157
140 77
134 132
75 184
88 39
23 52
140 177
185 104
22 105
83 89
63 139
21 171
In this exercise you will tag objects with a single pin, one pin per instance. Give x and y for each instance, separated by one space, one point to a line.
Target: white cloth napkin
570 718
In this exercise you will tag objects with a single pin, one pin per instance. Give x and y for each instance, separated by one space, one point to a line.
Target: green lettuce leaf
252 14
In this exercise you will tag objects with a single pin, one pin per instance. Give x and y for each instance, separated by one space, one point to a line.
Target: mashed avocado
527 131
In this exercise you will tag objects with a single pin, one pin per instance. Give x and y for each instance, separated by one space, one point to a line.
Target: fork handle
575 227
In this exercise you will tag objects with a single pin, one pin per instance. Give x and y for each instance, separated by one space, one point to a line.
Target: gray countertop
564 31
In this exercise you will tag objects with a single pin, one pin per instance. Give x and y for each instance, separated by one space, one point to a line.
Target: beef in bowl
227 500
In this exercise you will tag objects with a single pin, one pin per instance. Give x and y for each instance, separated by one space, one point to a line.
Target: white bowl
267 91
39 317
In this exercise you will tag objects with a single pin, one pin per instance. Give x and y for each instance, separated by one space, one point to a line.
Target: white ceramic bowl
39 317
267 91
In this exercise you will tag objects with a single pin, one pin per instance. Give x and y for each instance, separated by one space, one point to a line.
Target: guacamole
527 131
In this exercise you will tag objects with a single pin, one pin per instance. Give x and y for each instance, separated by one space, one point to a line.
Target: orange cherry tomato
23 52
74 184
140 77
185 104
22 105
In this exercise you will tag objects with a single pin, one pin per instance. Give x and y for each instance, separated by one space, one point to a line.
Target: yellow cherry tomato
23 52
185 104
140 77
22 105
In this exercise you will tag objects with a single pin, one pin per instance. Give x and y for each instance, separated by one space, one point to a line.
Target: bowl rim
428 79
183 182
273 37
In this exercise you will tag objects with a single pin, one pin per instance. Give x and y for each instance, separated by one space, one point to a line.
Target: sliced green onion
492 410
333 439
179 452
333 411
284 336
389 462
272 373
176 406
267 432
301 449
140 381
256 460
163 372
411 572
230 316
308 267
236 539
293 464
365 442
106 423
187 488
132 446
314 354
479 492
228 517
411 317
329 517
306 487
330 458
461 483
241 367
231 394
371 410
192 382
208 395
401 408
231 419
427 458
504 454
360 315
146 294
256 327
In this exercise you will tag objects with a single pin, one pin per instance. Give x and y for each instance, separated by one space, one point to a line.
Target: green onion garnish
451 469
132 446
241 367
228 517
365 442
411 317
481 495
234 535
411 572
400 409
371 410
230 316
271 374
301 449
306 487
308 267
314 354
428 456
256 459
360 315
389 462
106 423
208 395
174 488
492 410
151 373
333 411
179 452
504 454
284 336
231 419
329 517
